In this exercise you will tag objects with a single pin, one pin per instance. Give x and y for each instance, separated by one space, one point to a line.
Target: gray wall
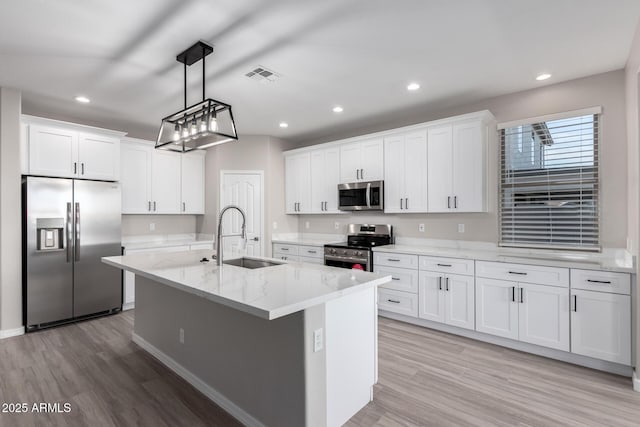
138 225
607 90
249 153
10 211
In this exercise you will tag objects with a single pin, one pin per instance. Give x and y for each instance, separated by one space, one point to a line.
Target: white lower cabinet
601 325
496 311
398 302
313 254
447 298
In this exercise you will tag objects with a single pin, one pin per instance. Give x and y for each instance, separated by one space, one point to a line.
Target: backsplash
158 225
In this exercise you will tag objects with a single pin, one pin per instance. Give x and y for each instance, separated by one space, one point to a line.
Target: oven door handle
368 195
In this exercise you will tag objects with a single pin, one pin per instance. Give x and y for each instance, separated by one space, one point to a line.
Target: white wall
607 90
10 212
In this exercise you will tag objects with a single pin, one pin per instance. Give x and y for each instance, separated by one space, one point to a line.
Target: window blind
549 184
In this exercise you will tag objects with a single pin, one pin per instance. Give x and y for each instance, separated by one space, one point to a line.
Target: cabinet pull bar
400 203
75 168
184 206
455 202
443 265
154 206
575 303
395 278
448 202
447 284
357 173
312 252
82 168
284 249
149 207
361 173
521 296
440 283
513 294
519 273
393 301
393 260
606 282
406 203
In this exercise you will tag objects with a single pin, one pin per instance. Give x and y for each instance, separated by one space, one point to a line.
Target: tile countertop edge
594 263
262 313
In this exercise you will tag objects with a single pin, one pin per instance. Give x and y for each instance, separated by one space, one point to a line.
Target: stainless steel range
356 251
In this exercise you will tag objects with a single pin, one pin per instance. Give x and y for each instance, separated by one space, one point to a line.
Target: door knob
256 239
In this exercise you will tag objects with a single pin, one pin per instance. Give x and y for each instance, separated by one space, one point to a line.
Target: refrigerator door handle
76 243
69 233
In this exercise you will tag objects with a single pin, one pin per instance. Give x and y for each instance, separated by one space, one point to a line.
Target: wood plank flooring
426 378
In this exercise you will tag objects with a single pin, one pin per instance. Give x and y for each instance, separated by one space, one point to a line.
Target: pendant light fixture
201 125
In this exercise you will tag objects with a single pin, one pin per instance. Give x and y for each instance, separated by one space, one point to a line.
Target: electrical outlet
460 228
275 225
317 340
181 337
306 225
152 226
421 228
336 226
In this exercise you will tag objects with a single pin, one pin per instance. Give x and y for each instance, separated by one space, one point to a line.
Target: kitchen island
289 344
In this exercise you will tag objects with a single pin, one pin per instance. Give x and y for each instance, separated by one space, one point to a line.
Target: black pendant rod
204 59
185 85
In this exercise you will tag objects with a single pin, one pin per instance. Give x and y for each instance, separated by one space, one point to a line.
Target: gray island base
289 345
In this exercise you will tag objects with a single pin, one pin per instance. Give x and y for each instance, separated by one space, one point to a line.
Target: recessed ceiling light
83 99
543 76
413 86
338 109
284 125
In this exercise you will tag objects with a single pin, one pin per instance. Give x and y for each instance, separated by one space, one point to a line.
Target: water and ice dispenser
50 234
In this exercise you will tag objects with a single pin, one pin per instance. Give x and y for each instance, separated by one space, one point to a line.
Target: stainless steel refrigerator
68 225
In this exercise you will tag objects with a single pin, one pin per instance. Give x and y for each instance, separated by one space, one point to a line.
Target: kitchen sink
251 263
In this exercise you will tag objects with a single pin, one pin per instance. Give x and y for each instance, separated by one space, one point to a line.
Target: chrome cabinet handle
448 202
606 282
76 243
455 202
361 173
519 273
368 195
82 168
395 301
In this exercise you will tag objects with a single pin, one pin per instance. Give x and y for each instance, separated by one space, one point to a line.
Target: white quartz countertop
588 261
269 292
165 241
309 241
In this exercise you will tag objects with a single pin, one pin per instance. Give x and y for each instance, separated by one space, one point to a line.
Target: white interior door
245 190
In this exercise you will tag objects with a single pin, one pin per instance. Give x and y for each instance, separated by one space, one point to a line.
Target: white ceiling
356 53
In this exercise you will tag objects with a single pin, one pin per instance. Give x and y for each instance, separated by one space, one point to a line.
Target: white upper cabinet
298 183
98 157
53 151
193 182
135 178
362 161
66 150
405 172
457 167
165 179
325 176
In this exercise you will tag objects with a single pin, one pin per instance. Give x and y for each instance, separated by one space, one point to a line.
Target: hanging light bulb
176 132
185 131
213 121
203 121
194 127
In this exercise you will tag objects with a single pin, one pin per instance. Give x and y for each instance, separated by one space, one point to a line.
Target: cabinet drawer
286 257
285 249
447 265
602 281
550 276
311 260
402 279
311 251
396 260
398 302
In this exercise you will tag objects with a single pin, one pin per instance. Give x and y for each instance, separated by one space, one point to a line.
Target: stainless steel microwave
361 196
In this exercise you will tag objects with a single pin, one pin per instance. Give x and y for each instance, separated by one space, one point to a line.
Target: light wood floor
426 378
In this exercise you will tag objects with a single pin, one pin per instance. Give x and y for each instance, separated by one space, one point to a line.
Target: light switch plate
336 226
181 337
460 228
421 228
317 340
275 225
152 226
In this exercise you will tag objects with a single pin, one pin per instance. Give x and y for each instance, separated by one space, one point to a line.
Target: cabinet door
543 313
298 183
439 169
350 162
318 181
469 154
372 160
394 172
165 179
601 326
53 151
331 179
135 178
431 296
291 194
98 157
459 301
415 172
496 310
192 183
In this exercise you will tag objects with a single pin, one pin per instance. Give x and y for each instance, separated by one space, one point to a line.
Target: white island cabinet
291 344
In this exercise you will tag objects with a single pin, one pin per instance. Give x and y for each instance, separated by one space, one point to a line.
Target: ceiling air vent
263 75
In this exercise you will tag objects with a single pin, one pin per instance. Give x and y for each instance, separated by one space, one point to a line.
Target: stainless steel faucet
219 237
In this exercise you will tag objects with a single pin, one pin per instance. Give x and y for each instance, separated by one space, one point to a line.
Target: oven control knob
358 253
333 251
345 252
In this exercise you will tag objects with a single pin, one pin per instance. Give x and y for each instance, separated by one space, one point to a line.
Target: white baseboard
576 359
636 382
8 333
128 306
204 388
